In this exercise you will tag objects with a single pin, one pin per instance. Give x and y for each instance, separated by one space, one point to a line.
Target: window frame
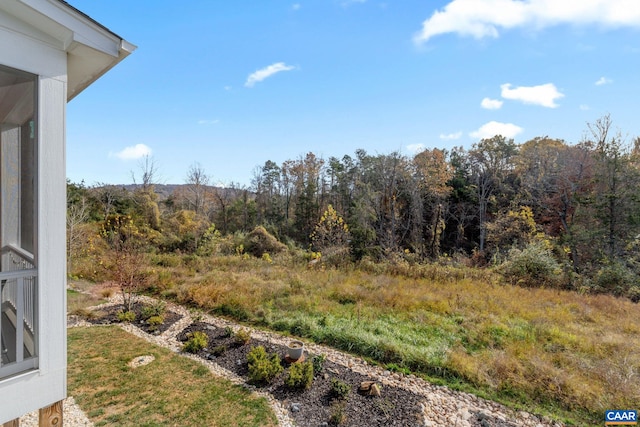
19 283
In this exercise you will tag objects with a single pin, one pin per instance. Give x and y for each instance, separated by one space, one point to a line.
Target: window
18 232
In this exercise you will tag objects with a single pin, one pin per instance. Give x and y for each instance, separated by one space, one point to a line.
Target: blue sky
232 84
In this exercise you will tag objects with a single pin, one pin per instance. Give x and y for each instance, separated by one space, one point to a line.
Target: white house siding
40 388
22 48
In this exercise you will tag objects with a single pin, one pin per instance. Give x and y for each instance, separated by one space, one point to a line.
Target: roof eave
92 49
86 65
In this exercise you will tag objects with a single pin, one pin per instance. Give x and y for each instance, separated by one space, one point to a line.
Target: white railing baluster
11 296
19 291
20 317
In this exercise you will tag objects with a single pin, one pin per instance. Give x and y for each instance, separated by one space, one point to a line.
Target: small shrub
259 241
219 350
300 376
532 266
615 278
338 415
197 341
126 316
155 321
155 309
339 389
318 363
263 368
242 337
228 332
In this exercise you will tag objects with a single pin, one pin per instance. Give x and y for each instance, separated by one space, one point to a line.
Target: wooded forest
544 213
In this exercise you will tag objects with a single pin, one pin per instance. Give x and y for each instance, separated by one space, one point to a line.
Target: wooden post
51 416
14 423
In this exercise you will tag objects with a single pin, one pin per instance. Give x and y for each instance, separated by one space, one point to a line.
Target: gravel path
439 406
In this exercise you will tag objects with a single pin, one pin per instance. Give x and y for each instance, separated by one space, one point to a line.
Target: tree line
575 205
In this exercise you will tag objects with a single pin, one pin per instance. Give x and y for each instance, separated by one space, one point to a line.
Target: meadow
553 352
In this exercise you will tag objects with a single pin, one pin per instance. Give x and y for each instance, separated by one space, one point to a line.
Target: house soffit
91 48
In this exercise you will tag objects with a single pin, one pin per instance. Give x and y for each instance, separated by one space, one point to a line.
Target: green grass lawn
170 391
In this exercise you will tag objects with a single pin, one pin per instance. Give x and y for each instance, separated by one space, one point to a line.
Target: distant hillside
165 190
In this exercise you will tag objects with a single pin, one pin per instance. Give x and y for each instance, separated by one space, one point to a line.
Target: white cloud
491 104
415 148
603 81
296 6
208 122
544 95
450 136
491 129
269 71
131 153
484 18
584 107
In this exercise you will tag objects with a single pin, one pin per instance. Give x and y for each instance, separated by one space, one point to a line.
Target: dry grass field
554 352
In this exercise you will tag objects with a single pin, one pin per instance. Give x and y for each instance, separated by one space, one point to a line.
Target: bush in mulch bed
317 405
151 318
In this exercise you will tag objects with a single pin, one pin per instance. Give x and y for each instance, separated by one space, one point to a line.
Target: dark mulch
314 407
109 315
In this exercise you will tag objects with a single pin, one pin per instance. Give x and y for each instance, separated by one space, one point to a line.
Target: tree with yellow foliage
331 231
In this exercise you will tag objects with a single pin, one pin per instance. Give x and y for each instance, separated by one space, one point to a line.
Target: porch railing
18 314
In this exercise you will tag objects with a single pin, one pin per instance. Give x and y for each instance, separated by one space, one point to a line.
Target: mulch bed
314 407
109 315
309 408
